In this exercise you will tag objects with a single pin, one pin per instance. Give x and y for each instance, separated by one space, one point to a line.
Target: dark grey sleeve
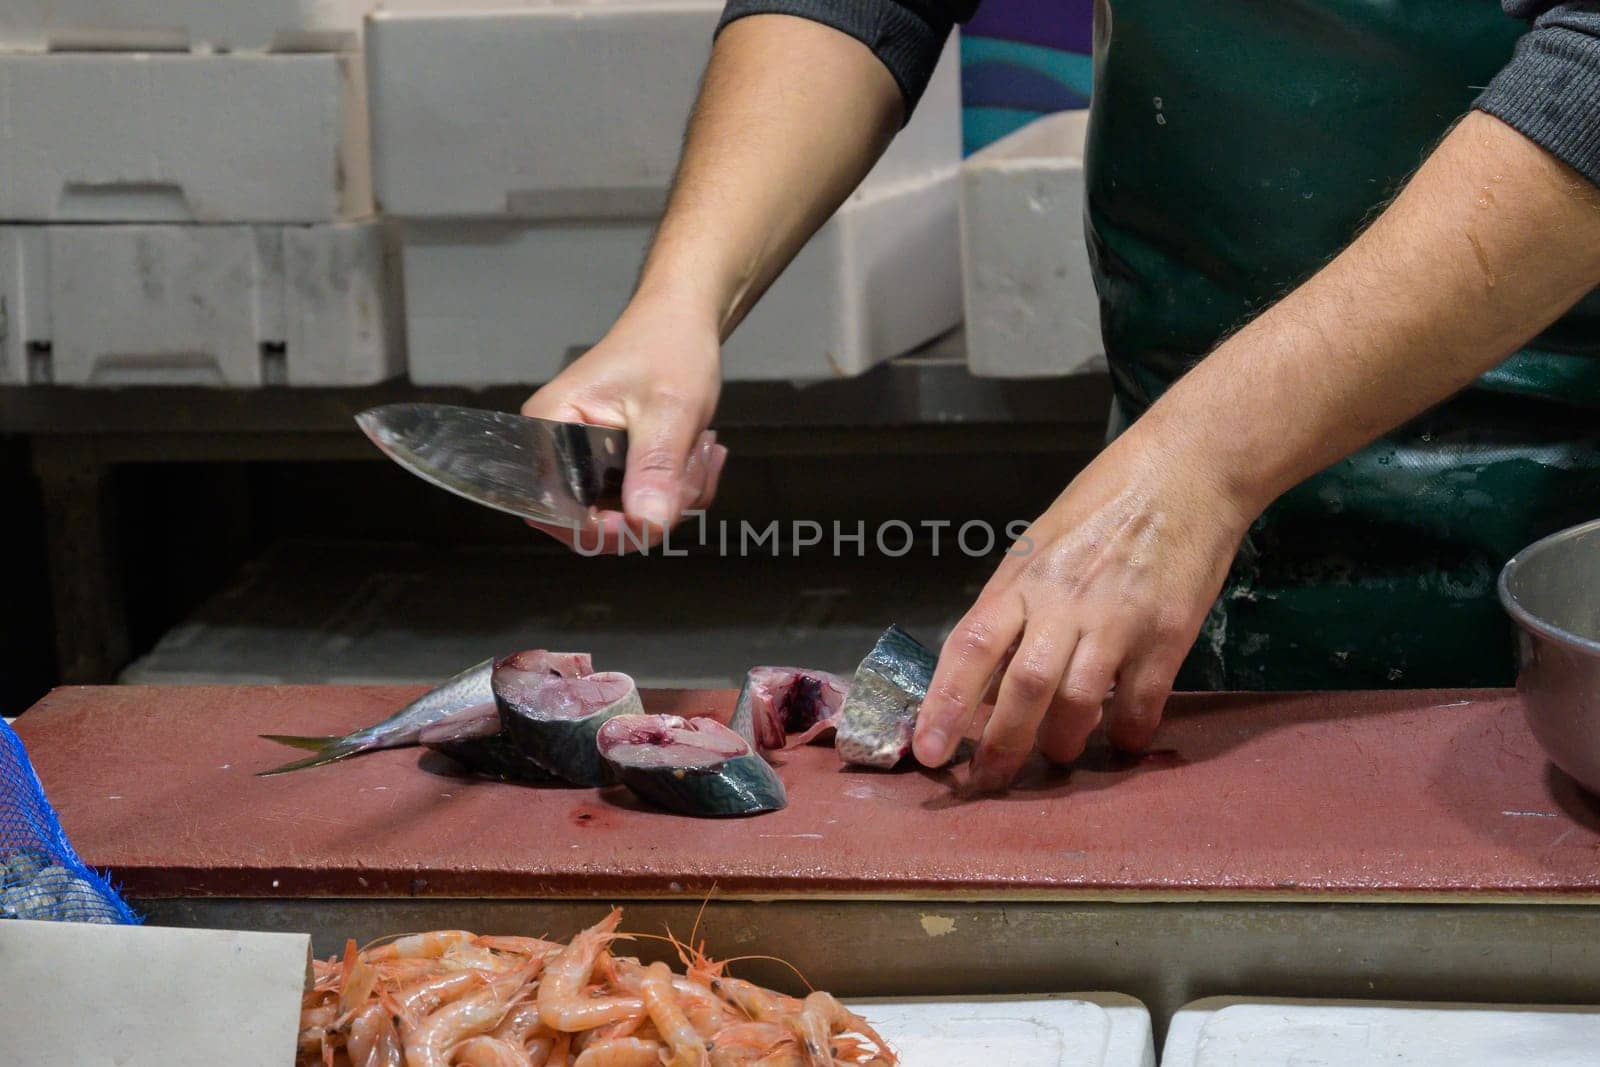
1550 91
906 35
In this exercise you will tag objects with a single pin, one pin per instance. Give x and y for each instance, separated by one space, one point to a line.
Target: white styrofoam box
136 137
198 305
181 25
1240 1032
533 109
1030 301
1069 1030
127 994
514 302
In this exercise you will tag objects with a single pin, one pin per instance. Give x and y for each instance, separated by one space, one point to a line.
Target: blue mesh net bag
40 876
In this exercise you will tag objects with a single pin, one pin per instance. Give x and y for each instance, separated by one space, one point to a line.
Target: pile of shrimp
454 999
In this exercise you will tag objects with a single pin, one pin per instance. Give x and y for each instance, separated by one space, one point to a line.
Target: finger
967 661
1026 692
1136 707
991 695
660 439
696 470
715 462
1079 702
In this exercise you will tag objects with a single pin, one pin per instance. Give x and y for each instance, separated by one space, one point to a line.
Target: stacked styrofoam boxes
528 147
198 216
1031 308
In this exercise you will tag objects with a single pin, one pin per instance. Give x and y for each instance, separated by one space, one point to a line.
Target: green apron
1234 147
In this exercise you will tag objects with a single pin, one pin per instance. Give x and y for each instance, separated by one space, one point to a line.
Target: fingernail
652 506
930 747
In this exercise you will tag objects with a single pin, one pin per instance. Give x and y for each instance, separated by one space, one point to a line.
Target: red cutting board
1407 794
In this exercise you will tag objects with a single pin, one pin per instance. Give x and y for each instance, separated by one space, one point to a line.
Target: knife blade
552 472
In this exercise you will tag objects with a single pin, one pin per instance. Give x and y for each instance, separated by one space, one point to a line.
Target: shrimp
786 1055
402 971
781 1058
621 1028
321 1017
706 1012
752 1044
488 1052
326 974
560 1054
762 1005
464 1018
424 998
519 1025
538 1050
468 956
522 946
358 986
431 945
312 1039
374 1042
661 1001
622 1052
562 1003
760 1037
817 1021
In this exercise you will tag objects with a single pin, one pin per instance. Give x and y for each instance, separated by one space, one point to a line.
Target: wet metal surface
554 472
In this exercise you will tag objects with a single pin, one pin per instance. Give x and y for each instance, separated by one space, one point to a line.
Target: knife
551 472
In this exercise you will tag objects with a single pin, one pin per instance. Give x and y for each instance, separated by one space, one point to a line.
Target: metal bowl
1552 591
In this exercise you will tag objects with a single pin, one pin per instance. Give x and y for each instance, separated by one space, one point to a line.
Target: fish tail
314 744
338 749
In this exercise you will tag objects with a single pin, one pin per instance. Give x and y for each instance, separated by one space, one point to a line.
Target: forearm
790 118
1489 243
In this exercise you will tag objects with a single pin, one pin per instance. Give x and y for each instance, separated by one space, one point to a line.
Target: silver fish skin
463 695
880 711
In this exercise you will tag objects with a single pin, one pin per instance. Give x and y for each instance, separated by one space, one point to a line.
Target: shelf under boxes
524 226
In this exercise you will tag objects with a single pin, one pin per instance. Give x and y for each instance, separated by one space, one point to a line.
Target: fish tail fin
337 749
313 744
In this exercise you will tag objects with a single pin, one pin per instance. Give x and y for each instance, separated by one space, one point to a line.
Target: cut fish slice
776 702
880 711
552 720
691 766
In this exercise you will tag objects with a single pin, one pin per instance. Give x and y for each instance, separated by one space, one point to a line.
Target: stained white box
1031 308
531 109
181 25
1067 1030
1238 1032
127 995
512 303
198 305
135 137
